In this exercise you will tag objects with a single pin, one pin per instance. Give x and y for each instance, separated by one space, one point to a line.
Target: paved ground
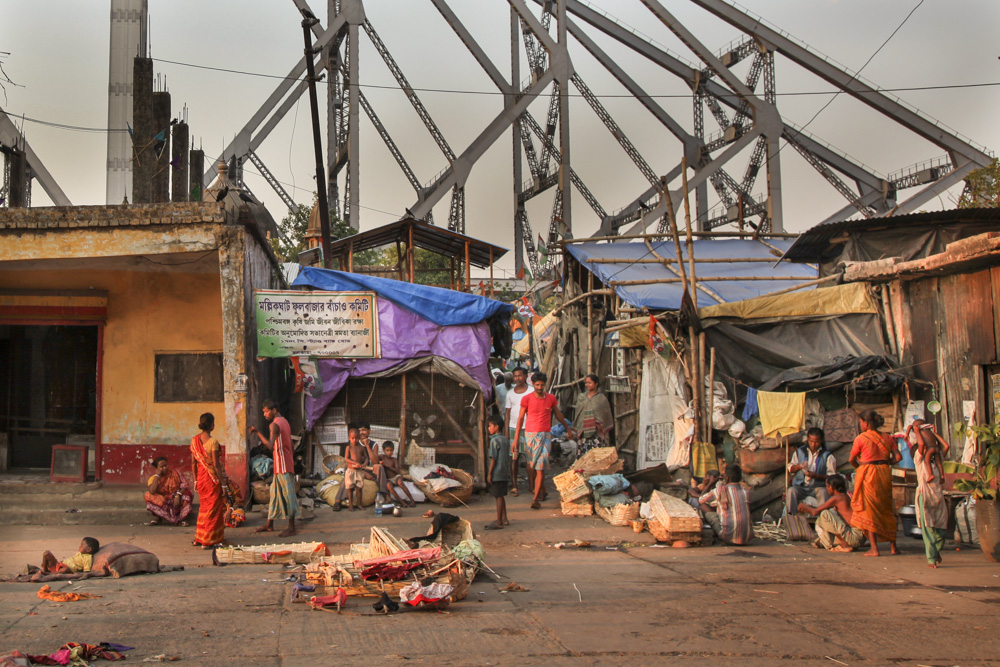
619 601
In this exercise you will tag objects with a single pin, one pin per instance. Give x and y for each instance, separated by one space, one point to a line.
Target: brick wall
54 217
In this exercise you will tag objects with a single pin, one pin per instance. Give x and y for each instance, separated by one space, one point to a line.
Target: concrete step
85 517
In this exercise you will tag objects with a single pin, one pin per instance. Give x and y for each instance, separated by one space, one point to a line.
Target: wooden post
409 251
481 466
491 272
350 257
451 272
590 323
403 440
468 270
711 386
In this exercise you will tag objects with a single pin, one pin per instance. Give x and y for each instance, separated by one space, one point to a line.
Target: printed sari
161 504
212 510
872 500
593 417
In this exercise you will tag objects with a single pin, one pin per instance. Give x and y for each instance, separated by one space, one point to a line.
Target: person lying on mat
80 562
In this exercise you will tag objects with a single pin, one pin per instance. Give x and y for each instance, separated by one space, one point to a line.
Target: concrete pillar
235 297
179 190
197 164
17 197
143 157
161 124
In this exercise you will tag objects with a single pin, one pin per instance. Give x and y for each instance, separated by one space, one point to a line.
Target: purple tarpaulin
405 336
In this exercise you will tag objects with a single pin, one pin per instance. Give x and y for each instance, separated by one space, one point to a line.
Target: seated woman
169 496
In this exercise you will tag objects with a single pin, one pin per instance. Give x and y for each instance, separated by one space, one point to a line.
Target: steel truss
744 109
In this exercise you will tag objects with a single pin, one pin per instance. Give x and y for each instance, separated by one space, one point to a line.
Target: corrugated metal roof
819 242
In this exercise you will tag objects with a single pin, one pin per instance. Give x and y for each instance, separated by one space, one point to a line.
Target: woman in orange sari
169 497
873 454
210 477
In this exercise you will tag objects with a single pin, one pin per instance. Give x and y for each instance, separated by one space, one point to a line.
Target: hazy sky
58 56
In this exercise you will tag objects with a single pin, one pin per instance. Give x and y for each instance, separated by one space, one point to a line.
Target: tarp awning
667 295
441 306
839 300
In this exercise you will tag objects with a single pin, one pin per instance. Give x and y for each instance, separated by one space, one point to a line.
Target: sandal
536 506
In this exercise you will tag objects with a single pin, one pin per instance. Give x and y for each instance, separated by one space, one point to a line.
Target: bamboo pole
697 344
670 260
403 441
707 279
596 292
626 237
808 283
706 423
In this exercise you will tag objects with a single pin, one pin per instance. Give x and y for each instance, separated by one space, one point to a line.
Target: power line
956 86
497 93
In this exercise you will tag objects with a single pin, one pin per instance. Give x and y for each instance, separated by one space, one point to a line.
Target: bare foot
263 529
932 565
871 553
839 549
506 523
353 508
286 533
893 551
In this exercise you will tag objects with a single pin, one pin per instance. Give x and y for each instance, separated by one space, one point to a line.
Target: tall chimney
143 155
179 190
196 174
161 129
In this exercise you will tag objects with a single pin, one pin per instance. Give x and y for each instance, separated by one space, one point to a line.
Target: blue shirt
499 451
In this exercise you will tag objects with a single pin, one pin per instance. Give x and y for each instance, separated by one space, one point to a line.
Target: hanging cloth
781 413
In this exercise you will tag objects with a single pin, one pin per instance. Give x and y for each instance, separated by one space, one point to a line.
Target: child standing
498 470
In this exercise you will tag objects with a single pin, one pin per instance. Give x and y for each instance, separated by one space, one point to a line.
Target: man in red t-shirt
537 409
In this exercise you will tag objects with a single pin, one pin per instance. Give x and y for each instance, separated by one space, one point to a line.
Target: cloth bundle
609 490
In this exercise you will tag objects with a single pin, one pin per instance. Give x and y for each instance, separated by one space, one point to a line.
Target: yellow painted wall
148 312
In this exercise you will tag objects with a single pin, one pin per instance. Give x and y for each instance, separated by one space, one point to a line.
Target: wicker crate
599 461
571 485
661 534
619 515
577 509
675 515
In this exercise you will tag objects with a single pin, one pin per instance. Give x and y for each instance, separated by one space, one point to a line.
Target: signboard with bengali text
317 324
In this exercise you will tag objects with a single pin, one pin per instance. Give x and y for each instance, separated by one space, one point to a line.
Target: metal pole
324 207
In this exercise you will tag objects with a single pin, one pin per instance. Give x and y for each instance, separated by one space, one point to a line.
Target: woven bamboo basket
577 508
599 461
675 515
331 462
571 486
457 495
663 535
303 552
619 515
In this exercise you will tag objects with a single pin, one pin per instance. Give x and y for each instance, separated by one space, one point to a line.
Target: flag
130 132
542 248
656 342
161 143
176 162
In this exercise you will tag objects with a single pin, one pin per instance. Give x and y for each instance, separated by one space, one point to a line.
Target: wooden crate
571 486
619 515
674 514
577 508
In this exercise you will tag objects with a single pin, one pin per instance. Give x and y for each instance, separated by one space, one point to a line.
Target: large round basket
457 495
331 462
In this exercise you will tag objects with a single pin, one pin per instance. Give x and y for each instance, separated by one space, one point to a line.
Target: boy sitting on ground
833 523
498 470
697 489
390 475
80 562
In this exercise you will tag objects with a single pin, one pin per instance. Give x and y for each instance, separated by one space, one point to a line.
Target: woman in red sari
873 454
210 476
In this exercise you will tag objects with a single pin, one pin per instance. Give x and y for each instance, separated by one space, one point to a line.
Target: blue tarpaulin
667 296
442 306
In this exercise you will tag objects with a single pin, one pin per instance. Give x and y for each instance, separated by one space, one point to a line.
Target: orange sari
212 504
872 500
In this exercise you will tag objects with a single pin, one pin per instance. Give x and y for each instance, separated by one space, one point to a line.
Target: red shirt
283 461
538 417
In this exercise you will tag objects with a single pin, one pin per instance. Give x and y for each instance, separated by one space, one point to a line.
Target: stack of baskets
673 519
574 494
577 499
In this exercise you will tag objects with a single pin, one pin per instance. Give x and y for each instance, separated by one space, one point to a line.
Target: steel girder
12 137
